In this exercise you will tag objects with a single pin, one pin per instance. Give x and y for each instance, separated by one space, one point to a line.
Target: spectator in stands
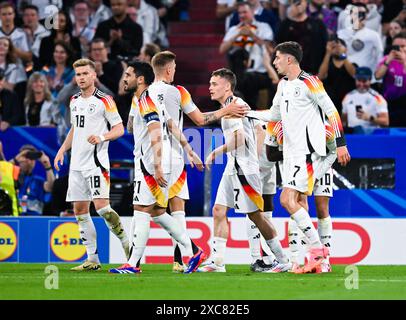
244 45
60 72
392 69
17 35
99 12
261 15
319 10
34 30
33 189
132 12
310 33
63 33
225 9
10 112
395 27
81 24
148 51
364 45
122 35
364 108
337 72
41 5
108 71
13 70
371 18
148 18
41 108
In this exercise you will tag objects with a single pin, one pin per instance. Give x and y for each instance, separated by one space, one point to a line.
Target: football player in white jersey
177 102
323 191
302 104
89 179
240 186
151 124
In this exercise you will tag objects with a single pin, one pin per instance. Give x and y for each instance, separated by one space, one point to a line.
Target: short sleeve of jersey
381 104
186 101
148 110
110 111
134 106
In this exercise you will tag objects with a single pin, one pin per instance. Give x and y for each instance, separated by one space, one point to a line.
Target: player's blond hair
161 59
83 63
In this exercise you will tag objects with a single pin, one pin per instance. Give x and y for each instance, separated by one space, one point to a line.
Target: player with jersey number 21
302 104
89 179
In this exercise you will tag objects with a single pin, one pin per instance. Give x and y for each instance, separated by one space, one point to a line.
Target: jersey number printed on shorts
80 121
287 105
95 182
326 180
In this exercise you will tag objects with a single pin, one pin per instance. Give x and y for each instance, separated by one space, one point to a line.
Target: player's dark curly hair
143 69
292 48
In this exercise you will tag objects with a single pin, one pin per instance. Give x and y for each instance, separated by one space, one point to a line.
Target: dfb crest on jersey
91 109
161 98
297 92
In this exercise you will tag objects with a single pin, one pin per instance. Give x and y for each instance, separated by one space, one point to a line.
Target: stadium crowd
357 48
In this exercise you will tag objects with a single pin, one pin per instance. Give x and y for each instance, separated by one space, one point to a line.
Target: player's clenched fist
94 139
58 159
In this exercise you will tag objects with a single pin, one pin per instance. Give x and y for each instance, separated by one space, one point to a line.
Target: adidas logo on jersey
136 198
327 190
96 193
292 183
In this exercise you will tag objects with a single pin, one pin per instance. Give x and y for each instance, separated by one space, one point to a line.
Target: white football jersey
91 116
244 157
302 104
145 111
177 100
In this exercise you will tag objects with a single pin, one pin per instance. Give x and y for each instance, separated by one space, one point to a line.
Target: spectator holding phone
392 69
336 68
33 189
364 108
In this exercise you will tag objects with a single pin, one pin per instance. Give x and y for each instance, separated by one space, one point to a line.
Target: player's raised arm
320 96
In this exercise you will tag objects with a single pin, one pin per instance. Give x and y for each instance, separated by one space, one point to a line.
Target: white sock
180 218
88 236
176 232
269 258
113 222
277 250
219 250
254 239
141 223
294 241
325 229
305 224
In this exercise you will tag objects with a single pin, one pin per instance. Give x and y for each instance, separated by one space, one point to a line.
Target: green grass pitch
157 282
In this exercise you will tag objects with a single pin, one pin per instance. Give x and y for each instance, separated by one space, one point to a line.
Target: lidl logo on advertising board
8 241
65 242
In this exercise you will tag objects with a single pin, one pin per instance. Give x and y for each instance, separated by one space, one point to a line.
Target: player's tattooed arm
210 117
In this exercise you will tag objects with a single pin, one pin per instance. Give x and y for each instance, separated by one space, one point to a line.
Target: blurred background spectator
363 107
148 18
310 33
318 9
33 189
82 28
225 10
99 12
13 70
60 72
11 113
395 27
337 69
392 69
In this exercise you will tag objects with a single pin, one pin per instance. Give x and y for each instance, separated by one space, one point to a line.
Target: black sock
177 255
195 248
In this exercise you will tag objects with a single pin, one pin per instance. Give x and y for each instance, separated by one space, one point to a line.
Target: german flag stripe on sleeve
147 106
335 121
330 136
109 104
314 84
185 97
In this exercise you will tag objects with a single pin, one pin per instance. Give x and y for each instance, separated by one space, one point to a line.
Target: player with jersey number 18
89 178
